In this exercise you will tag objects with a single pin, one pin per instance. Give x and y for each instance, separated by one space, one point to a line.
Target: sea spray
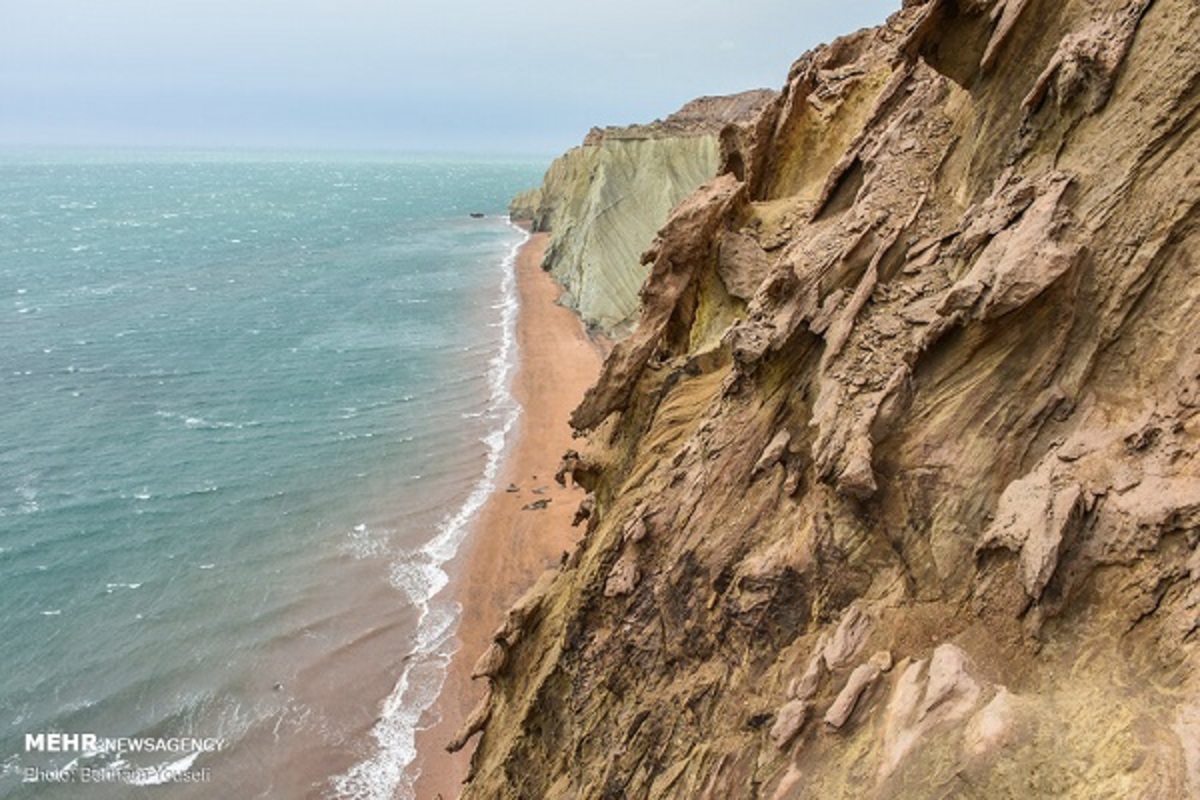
421 576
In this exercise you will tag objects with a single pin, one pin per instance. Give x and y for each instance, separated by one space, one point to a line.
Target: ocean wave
364 542
421 576
208 488
200 423
29 501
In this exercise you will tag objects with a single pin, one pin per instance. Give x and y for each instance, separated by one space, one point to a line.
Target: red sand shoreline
511 546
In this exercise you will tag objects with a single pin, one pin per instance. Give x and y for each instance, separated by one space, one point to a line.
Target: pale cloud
458 74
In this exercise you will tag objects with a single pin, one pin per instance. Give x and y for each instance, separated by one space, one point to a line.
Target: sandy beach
511 544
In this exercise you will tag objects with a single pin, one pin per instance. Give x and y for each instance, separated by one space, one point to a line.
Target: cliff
894 487
604 200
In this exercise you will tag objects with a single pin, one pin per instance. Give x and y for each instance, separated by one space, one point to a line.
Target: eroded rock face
859 682
603 201
788 722
932 695
918 374
848 639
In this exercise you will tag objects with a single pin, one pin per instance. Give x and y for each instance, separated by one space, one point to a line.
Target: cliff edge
895 488
603 201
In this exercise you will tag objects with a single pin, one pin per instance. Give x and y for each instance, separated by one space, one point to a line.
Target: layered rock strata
603 201
894 487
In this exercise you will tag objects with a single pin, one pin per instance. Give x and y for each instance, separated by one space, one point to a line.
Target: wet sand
510 546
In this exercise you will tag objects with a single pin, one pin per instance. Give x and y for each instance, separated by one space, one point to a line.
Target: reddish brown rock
859 682
977 319
788 721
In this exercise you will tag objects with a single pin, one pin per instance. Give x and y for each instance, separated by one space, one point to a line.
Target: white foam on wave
364 542
421 577
200 423
28 495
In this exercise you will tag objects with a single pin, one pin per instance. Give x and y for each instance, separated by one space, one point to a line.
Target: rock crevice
917 374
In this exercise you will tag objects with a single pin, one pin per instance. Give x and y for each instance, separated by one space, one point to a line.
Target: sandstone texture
895 485
603 202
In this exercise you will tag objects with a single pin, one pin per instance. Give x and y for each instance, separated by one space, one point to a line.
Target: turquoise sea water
247 404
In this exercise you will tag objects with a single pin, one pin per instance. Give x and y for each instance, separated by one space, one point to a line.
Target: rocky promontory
603 201
894 489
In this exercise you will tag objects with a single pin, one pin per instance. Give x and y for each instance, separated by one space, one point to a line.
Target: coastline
509 544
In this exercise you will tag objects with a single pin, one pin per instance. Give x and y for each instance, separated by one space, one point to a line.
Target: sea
250 405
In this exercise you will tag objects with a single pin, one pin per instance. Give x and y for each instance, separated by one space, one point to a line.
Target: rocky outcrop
918 375
603 201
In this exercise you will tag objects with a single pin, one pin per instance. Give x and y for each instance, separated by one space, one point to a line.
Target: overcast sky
450 75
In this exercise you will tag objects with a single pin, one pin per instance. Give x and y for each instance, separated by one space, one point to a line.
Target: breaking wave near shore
421 575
